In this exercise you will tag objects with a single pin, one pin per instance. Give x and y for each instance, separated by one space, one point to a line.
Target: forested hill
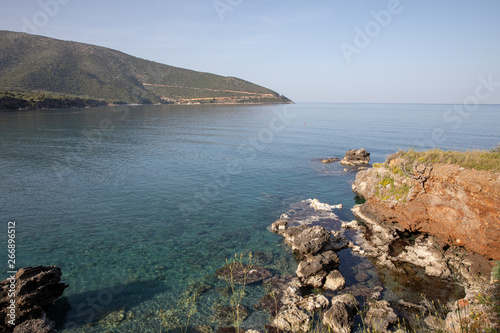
39 65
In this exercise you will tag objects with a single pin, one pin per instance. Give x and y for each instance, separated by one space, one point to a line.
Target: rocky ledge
457 206
24 296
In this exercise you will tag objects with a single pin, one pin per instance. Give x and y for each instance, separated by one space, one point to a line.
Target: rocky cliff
458 206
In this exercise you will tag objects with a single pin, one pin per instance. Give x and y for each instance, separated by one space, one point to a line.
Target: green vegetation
30 63
388 189
44 100
475 159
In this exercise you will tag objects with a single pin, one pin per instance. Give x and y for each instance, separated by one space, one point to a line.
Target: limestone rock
380 316
334 281
329 160
350 225
425 253
340 317
279 225
313 303
307 240
324 207
313 270
355 157
292 320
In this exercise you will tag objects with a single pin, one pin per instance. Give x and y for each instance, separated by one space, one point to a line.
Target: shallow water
137 203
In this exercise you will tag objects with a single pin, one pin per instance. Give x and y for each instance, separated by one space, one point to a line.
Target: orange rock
460 206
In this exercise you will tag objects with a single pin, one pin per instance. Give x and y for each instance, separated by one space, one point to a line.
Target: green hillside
30 63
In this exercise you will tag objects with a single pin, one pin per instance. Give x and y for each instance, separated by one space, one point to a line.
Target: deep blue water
136 203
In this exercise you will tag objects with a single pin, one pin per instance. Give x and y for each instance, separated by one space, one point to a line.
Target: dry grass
488 160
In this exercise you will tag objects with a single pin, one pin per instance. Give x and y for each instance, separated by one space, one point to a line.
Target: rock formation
356 157
314 247
35 288
458 206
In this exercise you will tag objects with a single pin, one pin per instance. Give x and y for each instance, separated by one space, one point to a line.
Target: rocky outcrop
356 157
34 289
458 206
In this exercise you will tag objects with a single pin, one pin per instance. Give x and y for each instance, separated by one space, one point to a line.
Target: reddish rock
35 287
459 206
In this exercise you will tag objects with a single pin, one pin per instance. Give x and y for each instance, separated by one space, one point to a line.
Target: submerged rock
227 315
356 157
240 273
329 160
36 326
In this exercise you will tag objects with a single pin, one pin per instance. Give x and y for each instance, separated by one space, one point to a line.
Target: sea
140 205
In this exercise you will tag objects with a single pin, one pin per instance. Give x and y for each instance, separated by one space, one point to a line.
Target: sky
342 51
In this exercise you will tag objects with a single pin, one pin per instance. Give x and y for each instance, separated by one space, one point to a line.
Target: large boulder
307 240
356 157
292 320
334 281
380 316
340 317
35 288
313 270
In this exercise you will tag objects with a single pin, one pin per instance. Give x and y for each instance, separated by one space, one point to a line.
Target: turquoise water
137 203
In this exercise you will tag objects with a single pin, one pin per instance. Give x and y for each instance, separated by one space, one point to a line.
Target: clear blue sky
424 51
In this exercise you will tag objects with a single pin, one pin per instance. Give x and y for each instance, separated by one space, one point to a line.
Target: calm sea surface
137 203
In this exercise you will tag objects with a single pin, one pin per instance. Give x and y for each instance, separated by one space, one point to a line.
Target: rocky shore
441 217
457 206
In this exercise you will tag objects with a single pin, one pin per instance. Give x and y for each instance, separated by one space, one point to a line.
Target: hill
36 64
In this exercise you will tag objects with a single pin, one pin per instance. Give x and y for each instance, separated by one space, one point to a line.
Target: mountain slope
36 63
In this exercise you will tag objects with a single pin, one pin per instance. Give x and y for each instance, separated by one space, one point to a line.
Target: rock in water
36 326
35 287
329 160
334 281
307 240
323 207
355 157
